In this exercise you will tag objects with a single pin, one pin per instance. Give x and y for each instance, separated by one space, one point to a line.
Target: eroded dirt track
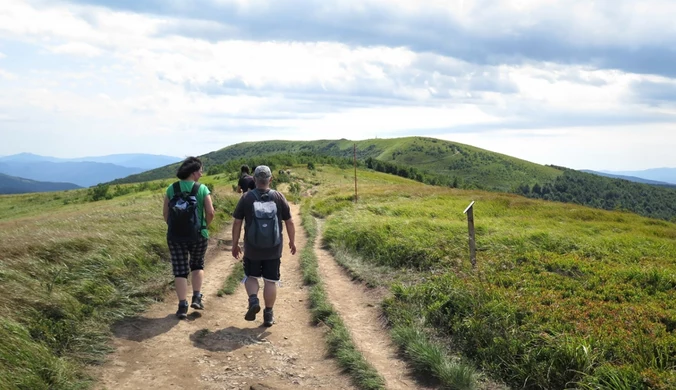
359 308
216 348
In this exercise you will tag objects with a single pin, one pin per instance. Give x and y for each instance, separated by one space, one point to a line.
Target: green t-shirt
201 194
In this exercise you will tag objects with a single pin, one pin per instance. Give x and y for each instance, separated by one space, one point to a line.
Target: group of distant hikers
188 211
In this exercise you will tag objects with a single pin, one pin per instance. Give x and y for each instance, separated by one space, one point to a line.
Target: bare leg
251 286
197 278
270 294
181 285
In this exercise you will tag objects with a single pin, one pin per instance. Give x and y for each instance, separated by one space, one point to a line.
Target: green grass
69 267
563 296
430 359
25 364
232 281
339 341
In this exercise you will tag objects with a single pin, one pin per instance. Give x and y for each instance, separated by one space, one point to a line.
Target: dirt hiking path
216 348
359 308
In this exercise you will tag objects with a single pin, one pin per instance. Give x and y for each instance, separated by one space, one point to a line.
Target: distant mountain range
667 175
635 179
82 171
18 185
141 161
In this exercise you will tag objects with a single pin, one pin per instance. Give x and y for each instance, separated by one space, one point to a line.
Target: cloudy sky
578 83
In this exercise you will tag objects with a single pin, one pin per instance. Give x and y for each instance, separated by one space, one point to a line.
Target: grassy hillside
19 185
473 167
447 164
564 296
70 266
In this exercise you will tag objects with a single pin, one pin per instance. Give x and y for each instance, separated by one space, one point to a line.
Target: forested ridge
606 193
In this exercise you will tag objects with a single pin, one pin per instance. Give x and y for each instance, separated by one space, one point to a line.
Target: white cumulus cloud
215 72
77 49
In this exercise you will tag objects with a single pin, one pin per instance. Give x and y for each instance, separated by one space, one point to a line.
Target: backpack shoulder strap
256 193
177 188
195 189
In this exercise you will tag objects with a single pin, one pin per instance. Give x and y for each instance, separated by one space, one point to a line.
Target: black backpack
264 231
249 183
184 222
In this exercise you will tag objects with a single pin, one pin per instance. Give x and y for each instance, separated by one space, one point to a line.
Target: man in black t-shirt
246 182
261 262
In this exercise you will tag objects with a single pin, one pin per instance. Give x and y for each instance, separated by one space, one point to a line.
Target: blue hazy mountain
143 161
84 174
133 160
82 171
29 158
630 178
667 175
19 185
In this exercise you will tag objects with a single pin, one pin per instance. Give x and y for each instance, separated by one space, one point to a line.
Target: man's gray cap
262 172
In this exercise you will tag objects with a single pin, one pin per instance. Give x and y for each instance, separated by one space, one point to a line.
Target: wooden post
355 172
470 224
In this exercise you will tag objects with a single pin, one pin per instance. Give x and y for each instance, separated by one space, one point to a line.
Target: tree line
414 173
276 161
605 193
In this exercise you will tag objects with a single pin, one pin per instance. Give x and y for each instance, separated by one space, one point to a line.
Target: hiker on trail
263 211
188 211
246 182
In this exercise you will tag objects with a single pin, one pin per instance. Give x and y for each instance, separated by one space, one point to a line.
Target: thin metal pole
355 172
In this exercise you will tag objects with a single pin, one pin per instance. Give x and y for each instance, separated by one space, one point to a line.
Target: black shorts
187 256
268 269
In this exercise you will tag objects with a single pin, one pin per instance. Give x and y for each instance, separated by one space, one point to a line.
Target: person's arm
165 210
291 231
209 209
236 230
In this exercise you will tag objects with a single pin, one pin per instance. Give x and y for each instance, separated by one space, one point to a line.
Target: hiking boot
254 307
197 302
268 317
182 312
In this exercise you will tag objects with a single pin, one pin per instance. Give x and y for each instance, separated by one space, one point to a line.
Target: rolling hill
446 163
19 185
474 167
